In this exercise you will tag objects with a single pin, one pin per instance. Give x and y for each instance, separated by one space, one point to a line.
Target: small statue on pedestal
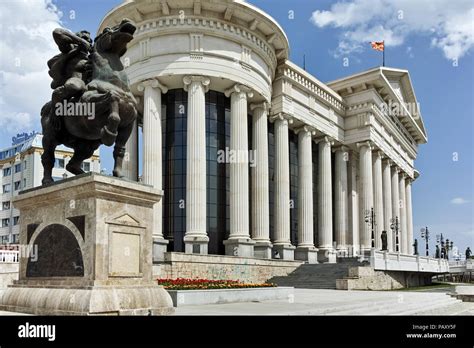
384 240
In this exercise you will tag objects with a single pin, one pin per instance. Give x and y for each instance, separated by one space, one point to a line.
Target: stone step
318 276
394 307
366 307
461 308
435 305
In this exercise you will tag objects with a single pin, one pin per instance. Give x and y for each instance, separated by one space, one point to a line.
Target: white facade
21 169
234 48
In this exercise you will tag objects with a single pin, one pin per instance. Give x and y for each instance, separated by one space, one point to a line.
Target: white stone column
341 199
326 250
305 249
403 213
282 247
130 161
387 202
195 238
366 194
409 214
260 182
239 242
378 198
395 210
152 161
354 204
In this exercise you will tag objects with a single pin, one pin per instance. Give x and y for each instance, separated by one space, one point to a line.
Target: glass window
59 163
17 185
24 165
7 188
16 238
5 222
7 171
6 205
17 168
86 166
16 219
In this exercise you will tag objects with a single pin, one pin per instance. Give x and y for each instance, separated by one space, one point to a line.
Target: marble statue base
90 243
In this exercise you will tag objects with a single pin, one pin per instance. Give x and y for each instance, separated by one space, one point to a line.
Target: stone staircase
404 304
318 276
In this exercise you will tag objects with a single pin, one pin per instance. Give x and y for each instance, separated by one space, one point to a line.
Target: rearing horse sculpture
88 78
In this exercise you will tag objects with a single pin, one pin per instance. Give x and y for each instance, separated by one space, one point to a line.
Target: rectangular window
24 165
5 222
24 183
17 168
16 219
7 171
7 188
86 166
59 163
17 185
6 205
16 238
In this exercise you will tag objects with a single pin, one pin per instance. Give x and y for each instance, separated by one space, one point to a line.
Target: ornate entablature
395 124
228 41
308 101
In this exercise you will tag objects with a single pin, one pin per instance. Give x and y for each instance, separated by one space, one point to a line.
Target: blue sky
421 36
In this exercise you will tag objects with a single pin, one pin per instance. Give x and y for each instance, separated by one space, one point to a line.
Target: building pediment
395 89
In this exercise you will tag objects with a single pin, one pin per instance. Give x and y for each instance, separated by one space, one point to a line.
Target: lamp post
425 234
395 227
370 219
440 242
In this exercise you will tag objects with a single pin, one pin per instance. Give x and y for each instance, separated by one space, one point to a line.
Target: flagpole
383 53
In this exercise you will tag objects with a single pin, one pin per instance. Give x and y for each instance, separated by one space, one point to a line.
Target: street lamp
425 234
370 219
440 246
448 247
395 227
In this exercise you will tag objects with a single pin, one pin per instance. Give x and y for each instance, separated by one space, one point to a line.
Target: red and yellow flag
378 45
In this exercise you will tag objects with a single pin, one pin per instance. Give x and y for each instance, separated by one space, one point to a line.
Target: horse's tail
48 117
46 109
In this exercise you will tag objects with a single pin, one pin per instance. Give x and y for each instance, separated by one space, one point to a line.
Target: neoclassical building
257 157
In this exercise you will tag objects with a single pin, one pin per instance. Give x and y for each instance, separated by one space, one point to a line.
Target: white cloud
449 24
459 200
26 44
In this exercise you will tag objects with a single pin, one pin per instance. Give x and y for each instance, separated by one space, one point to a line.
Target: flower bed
204 284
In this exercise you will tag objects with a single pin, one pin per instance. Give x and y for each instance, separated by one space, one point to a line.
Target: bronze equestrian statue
88 77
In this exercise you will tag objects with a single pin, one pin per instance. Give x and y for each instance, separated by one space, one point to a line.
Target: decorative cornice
214 25
204 80
153 83
239 88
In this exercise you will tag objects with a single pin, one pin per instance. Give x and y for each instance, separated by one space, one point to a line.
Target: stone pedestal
328 255
242 247
284 251
308 254
262 249
91 237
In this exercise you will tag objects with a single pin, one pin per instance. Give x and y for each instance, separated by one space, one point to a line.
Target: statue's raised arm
67 40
